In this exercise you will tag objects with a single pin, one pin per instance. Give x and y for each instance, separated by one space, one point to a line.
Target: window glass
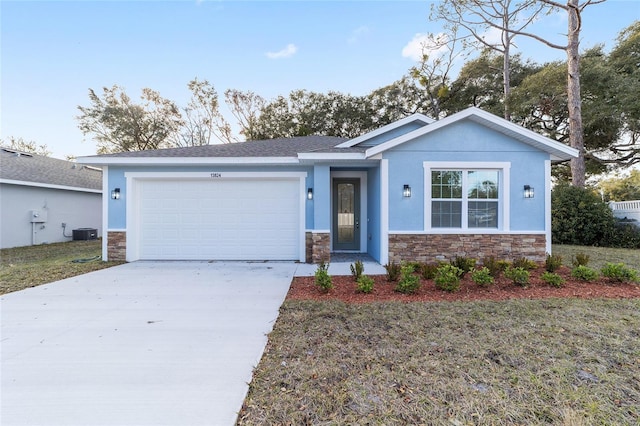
446 214
482 184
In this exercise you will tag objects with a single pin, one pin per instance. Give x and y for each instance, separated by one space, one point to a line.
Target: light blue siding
373 211
465 142
322 197
391 134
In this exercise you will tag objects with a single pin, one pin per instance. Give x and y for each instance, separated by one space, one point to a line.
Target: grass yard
553 361
598 256
24 267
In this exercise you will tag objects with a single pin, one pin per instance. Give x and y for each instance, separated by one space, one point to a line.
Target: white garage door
234 219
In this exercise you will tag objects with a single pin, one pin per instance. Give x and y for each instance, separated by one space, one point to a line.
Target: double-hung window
464 198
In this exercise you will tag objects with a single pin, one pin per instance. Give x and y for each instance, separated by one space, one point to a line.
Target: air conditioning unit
82 234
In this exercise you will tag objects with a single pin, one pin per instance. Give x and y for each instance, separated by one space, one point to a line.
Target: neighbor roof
37 170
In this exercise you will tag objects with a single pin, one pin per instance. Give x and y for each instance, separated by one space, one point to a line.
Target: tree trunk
576 135
506 67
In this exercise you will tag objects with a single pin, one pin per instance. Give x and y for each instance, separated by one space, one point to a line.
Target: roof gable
390 131
24 168
557 150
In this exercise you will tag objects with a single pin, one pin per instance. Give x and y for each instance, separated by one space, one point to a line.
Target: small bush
619 272
448 277
524 263
553 279
365 284
408 283
517 274
393 271
322 278
584 273
466 264
357 269
428 271
553 262
495 266
580 259
482 277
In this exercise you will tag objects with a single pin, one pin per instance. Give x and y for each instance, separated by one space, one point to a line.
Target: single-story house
471 184
39 194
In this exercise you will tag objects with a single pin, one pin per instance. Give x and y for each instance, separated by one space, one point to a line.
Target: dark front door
346 214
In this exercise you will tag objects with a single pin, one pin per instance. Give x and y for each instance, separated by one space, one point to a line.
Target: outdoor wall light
406 191
528 191
309 193
115 194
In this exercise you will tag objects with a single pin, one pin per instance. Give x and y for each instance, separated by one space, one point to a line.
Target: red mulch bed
345 289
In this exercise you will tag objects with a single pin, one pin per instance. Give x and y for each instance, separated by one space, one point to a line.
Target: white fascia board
331 156
410 119
50 186
559 151
181 161
213 175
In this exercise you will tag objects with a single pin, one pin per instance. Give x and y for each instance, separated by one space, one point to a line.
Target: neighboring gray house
38 194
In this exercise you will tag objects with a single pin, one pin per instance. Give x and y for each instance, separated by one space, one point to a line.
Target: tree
120 125
246 107
480 17
202 120
19 144
624 188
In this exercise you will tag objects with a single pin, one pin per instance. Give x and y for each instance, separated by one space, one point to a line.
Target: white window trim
503 197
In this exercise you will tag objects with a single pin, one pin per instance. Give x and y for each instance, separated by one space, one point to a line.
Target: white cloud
422 44
287 52
357 34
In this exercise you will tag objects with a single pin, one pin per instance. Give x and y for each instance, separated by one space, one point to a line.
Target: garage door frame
133 199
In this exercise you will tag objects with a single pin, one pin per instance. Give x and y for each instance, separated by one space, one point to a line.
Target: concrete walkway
145 343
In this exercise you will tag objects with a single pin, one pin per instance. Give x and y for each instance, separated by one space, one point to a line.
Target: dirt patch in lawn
345 289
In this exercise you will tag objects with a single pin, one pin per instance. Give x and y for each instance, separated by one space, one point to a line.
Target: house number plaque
216 175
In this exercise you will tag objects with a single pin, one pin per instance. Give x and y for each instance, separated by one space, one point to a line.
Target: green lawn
533 362
598 256
24 267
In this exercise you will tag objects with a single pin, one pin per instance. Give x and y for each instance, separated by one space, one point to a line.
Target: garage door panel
219 219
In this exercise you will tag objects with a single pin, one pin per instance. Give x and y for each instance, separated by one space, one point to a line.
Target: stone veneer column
434 247
318 247
117 245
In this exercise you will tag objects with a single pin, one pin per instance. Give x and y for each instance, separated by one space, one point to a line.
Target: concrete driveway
146 343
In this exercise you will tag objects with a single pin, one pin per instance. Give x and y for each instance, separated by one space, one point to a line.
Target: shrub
553 279
448 277
408 283
357 269
365 284
580 217
580 259
518 274
619 272
482 277
322 277
393 271
553 262
584 273
626 235
428 271
524 263
465 264
495 266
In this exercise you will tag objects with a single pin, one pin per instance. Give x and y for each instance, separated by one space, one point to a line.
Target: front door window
346 214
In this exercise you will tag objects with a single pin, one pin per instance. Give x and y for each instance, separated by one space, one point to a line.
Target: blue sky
53 52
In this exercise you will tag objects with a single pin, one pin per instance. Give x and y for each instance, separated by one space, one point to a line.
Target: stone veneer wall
117 245
318 247
433 247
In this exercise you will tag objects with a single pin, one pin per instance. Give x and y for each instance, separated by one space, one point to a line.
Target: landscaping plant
428 270
584 273
482 277
517 274
322 278
524 263
357 269
365 284
466 264
409 283
552 262
393 271
618 272
495 266
448 277
553 279
580 259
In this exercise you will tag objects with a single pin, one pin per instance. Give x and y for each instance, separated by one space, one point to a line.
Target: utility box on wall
85 234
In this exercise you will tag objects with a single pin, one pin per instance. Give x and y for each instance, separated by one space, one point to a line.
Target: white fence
626 209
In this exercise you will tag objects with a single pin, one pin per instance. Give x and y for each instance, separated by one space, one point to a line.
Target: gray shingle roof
280 147
37 168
